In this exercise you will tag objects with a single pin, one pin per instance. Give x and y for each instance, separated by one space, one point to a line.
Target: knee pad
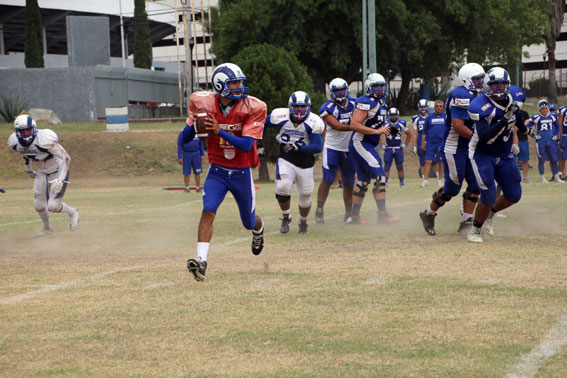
440 197
282 198
55 207
471 195
379 185
39 206
362 189
304 200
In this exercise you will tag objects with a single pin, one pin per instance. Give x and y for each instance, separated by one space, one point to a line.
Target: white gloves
31 173
384 146
56 185
414 150
515 149
510 114
288 147
261 151
403 145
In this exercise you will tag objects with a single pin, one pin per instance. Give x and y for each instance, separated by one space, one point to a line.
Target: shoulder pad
12 140
518 95
253 105
279 115
326 107
462 97
316 123
46 138
201 100
364 103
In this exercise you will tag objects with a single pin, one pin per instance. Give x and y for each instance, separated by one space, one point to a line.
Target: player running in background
191 156
336 114
433 133
457 136
42 151
235 120
417 122
394 147
562 121
494 115
300 138
546 130
368 123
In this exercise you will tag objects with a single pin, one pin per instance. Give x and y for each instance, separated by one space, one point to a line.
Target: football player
394 147
368 123
562 120
458 131
300 139
490 149
41 150
417 123
234 122
191 156
336 114
546 131
433 132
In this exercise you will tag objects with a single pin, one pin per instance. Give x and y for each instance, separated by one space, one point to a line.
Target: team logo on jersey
234 127
462 101
474 116
361 106
485 106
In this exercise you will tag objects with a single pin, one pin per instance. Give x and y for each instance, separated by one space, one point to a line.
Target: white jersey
335 139
45 153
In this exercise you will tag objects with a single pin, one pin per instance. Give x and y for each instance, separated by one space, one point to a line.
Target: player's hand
414 149
212 125
32 174
384 146
56 185
261 151
515 149
403 145
180 160
538 137
530 132
510 113
554 138
289 147
383 130
202 159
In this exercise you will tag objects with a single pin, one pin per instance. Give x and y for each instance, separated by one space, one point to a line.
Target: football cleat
319 216
385 218
286 220
424 184
198 189
198 268
302 227
346 217
474 235
488 225
557 178
428 221
353 219
257 242
544 180
45 232
440 183
526 181
74 220
465 225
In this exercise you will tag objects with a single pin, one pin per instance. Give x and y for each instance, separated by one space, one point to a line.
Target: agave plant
10 108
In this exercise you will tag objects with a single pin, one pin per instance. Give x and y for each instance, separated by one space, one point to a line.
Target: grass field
115 299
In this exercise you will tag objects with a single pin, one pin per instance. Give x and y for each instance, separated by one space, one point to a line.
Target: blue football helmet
393 115
552 107
376 86
25 129
339 90
299 98
225 74
471 76
423 106
497 83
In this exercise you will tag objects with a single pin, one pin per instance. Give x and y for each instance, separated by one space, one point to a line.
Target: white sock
431 212
286 212
302 218
44 216
203 250
67 209
260 230
465 216
437 174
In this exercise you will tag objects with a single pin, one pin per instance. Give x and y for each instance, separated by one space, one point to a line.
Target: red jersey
245 119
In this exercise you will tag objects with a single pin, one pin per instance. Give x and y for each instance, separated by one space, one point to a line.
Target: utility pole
372 34
364 43
188 59
122 35
179 85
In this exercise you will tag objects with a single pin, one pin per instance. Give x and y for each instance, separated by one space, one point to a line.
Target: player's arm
202 147
63 157
315 143
458 118
180 146
356 124
409 135
335 124
28 169
188 134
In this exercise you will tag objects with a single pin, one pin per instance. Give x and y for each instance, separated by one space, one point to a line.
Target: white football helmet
471 76
393 115
543 106
223 75
25 129
339 90
376 86
497 83
299 98
422 106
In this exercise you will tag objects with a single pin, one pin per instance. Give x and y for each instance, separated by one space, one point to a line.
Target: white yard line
551 344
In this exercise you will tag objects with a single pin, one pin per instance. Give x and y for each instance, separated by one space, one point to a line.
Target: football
200 126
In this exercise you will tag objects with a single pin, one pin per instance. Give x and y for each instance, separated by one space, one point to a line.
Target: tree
324 35
273 74
142 42
33 45
554 10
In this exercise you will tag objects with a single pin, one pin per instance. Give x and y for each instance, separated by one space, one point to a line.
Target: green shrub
10 108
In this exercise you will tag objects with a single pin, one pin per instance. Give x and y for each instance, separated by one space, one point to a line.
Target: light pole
122 35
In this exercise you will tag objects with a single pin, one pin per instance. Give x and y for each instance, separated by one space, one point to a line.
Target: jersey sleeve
363 103
199 100
253 126
316 124
47 139
13 141
325 109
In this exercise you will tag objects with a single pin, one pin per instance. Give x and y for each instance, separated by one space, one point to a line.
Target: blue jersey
396 141
546 126
492 133
456 107
375 118
563 112
434 127
335 139
193 145
417 121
